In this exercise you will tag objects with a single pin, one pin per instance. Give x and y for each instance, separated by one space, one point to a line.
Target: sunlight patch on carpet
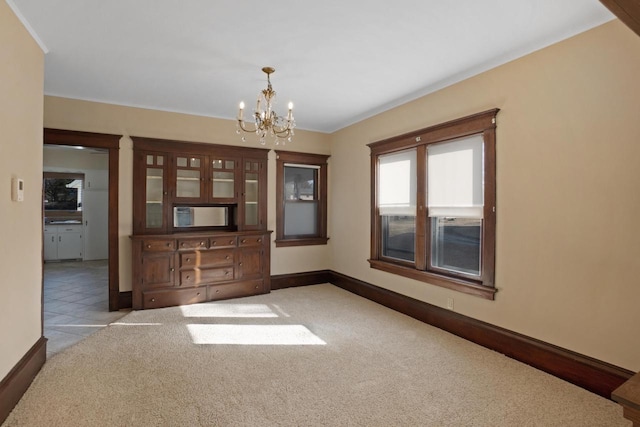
227 310
253 335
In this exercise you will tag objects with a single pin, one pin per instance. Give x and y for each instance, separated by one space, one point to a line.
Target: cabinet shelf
187 178
223 180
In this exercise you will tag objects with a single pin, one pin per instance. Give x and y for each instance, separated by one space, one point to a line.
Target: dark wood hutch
199 222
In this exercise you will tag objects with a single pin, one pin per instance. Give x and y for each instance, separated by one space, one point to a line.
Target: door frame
112 144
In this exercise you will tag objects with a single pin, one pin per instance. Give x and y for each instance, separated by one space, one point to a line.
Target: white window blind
296 165
397 183
455 183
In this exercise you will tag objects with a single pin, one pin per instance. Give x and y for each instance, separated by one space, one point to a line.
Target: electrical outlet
450 303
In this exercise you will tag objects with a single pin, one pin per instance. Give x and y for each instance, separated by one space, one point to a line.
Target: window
62 191
433 204
301 195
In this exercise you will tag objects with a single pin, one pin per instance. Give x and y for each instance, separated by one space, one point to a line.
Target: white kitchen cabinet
50 242
63 242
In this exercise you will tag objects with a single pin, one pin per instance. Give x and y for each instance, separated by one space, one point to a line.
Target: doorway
111 144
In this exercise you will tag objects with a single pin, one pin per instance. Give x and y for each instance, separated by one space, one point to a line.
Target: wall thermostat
17 189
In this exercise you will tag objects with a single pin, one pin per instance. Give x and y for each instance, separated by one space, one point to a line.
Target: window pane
456 245
397 183
299 183
300 218
455 172
398 236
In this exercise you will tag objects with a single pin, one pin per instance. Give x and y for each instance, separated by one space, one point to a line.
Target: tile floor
76 296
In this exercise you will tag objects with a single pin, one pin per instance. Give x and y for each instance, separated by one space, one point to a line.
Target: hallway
75 302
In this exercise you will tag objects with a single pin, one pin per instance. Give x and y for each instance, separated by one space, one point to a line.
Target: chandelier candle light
266 121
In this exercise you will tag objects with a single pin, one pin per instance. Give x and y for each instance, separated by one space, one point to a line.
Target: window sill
460 285
302 242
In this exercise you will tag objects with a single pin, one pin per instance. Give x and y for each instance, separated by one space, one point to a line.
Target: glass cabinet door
252 172
189 179
223 179
155 192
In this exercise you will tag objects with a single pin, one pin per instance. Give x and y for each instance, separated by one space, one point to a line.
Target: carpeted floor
310 356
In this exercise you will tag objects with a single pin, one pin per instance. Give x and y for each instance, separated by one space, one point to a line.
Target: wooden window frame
318 160
481 123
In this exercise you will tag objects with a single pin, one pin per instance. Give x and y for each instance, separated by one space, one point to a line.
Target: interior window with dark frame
301 195
433 204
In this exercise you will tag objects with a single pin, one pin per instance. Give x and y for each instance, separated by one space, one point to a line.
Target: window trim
481 123
312 160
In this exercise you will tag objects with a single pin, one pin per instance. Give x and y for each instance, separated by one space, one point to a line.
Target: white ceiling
339 61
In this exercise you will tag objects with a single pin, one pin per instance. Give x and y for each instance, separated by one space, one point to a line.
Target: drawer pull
182 244
188 277
217 290
227 257
214 243
153 300
148 246
198 294
201 243
231 242
168 245
239 263
172 269
188 259
259 240
244 240
256 286
226 273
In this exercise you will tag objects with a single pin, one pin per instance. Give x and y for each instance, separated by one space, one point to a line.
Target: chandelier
266 121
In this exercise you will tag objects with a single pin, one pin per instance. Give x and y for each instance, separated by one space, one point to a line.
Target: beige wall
568 235
70 114
21 80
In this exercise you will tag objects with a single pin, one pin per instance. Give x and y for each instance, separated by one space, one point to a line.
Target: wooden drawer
159 245
245 241
156 299
214 258
193 243
223 242
233 290
199 276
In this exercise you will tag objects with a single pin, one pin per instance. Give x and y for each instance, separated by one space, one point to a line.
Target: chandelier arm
242 126
283 132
